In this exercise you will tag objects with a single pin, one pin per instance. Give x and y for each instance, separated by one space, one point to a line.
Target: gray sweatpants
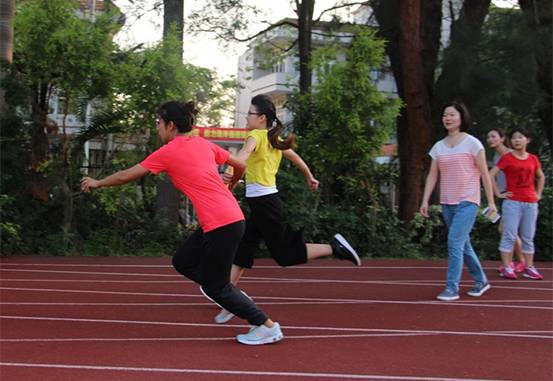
518 217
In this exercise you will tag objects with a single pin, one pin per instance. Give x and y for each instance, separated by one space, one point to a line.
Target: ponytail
265 106
275 138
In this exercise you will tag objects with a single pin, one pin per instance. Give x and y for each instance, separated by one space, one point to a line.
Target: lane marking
259 298
109 339
286 327
250 279
367 266
240 372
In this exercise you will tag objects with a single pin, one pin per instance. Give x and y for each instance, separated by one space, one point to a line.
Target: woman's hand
227 177
505 195
313 184
88 183
424 209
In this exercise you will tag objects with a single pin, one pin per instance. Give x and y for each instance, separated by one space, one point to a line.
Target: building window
278 67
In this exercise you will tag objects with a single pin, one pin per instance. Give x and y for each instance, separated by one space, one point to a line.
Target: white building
280 79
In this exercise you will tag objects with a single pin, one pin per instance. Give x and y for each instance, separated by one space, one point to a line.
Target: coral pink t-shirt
459 174
191 162
521 176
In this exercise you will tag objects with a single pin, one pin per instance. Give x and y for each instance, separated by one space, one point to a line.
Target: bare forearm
488 188
118 178
540 185
431 180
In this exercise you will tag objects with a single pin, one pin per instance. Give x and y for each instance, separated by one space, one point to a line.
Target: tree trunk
173 17
38 184
462 55
167 196
7 14
416 118
412 38
304 10
538 16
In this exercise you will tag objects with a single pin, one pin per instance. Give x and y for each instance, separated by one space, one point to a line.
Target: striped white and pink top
459 174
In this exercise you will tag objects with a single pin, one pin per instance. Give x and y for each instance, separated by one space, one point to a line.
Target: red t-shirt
521 176
191 162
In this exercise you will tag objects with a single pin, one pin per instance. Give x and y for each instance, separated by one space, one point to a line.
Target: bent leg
215 267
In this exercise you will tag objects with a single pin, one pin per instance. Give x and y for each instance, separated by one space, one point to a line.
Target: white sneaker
261 335
224 316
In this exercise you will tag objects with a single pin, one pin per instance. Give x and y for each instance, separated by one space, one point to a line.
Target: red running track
128 318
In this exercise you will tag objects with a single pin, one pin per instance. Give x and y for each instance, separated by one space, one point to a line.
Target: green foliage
61 243
350 117
544 234
499 87
53 46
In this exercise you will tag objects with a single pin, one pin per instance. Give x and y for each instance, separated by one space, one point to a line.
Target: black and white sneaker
341 249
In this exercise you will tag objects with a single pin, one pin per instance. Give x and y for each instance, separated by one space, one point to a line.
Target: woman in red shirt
206 256
525 182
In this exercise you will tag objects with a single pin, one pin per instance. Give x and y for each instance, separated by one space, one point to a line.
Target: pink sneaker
501 268
508 273
519 267
532 273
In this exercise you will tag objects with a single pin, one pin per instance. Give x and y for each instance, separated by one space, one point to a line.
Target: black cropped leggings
206 258
266 222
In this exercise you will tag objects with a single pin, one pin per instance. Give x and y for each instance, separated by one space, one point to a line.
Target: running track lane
130 318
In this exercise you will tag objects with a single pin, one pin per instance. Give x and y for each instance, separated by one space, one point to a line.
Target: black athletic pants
207 259
266 222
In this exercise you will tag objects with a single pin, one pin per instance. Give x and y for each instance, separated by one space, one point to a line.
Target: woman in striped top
459 162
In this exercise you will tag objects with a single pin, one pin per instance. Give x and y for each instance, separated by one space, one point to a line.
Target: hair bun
189 108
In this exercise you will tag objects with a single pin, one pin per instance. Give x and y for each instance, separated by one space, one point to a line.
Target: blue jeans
460 220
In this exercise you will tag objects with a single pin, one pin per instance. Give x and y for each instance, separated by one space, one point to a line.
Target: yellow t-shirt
264 161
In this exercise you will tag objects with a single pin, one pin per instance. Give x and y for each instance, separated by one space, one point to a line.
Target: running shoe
261 335
532 273
519 267
341 249
508 273
479 289
448 295
224 315
501 268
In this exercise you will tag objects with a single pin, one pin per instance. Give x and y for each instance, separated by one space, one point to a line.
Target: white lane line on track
175 275
303 280
285 299
169 266
239 372
260 280
314 301
367 265
287 303
130 339
286 327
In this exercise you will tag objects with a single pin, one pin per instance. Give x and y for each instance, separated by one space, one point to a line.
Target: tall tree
7 10
173 19
167 196
461 56
230 21
413 44
538 15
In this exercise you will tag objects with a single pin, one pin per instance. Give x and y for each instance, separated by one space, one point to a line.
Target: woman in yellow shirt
263 150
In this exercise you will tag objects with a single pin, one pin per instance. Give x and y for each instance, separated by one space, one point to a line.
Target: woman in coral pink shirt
206 256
